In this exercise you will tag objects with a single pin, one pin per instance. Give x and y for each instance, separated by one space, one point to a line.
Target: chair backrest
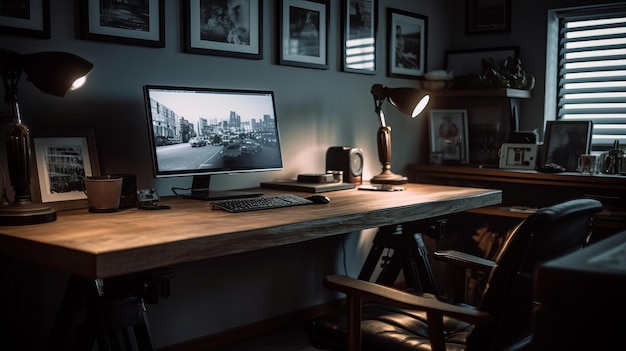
547 234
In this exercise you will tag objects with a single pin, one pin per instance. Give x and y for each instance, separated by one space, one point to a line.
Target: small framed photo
27 17
130 22
224 28
518 156
407 34
487 16
359 23
63 159
469 62
303 33
449 135
565 141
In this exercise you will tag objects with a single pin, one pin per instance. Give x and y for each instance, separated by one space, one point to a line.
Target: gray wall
316 109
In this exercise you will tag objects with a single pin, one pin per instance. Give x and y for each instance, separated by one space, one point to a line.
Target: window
591 67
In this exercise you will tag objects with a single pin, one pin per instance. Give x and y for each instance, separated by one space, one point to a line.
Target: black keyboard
259 203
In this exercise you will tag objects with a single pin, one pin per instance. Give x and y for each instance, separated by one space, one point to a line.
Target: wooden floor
284 340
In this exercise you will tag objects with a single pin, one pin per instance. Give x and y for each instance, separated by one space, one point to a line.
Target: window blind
592 72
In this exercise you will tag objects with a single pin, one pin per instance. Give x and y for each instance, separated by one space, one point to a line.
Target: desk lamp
409 101
54 73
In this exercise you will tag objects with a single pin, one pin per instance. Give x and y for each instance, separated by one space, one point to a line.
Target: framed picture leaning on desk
63 158
565 141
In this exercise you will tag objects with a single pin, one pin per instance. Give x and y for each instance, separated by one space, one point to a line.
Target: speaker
347 159
128 197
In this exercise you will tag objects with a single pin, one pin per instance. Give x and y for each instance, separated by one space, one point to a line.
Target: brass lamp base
388 177
23 214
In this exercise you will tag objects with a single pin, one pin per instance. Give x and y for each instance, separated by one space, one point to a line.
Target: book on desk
293 185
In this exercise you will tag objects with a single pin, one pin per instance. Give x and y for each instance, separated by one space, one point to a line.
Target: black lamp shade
54 72
409 101
406 100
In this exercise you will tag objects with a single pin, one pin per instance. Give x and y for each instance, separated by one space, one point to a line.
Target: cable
343 251
177 194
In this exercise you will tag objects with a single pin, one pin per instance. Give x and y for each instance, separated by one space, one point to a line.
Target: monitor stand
200 190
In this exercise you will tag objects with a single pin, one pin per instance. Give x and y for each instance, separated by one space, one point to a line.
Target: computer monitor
201 132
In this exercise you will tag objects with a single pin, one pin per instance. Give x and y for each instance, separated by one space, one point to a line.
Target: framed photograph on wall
359 23
303 33
449 135
466 62
224 28
565 141
27 17
487 16
407 34
63 159
130 22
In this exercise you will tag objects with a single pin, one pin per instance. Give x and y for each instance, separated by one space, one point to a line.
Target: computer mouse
319 199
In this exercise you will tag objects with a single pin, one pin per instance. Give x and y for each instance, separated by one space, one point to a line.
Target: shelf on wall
508 93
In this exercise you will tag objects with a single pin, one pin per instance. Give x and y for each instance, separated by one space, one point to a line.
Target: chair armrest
465 260
357 291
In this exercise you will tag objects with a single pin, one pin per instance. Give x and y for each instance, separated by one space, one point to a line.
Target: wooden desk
102 245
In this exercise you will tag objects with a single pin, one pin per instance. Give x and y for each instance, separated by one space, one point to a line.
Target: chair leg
353 322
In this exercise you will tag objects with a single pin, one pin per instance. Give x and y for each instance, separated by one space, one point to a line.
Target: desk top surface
101 245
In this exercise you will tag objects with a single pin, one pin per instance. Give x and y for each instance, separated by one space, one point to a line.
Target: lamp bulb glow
420 106
78 83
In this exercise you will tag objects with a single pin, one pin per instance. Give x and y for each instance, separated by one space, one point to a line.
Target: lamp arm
379 98
10 78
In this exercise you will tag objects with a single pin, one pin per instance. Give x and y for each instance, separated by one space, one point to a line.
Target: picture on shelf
566 141
448 135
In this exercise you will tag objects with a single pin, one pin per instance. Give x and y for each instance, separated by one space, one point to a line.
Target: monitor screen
200 132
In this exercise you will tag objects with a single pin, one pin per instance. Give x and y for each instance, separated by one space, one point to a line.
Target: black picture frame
565 141
407 35
32 22
303 33
487 16
359 26
469 61
109 21
209 30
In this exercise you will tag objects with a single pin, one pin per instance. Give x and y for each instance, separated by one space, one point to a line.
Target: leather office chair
384 318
